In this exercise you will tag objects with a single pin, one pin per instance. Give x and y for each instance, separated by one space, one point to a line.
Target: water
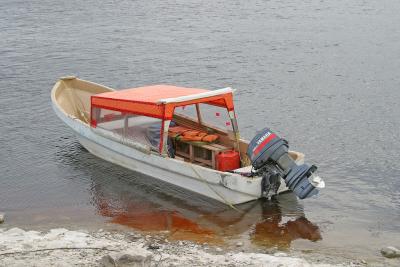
323 74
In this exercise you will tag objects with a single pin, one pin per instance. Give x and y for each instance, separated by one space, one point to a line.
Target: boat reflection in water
148 205
281 223
182 216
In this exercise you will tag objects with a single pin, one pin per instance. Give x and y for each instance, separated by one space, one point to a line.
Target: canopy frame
163 108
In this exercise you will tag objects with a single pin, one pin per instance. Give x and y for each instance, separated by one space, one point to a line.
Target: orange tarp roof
151 94
160 100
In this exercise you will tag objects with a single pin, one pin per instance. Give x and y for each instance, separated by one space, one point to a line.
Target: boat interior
73 96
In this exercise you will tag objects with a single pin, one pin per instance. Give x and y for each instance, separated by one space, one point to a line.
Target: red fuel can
228 160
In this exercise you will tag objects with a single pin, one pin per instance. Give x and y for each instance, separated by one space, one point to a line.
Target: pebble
390 252
153 246
107 261
2 217
239 244
133 260
218 249
280 254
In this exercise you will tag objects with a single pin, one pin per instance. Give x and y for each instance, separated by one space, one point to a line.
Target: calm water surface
323 74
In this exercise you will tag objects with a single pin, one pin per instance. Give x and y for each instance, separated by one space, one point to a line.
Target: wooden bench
205 154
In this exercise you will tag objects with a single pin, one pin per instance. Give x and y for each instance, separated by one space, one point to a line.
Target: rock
56 233
133 257
134 260
280 254
2 217
218 249
107 261
390 252
239 244
25 246
15 232
133 237
153 246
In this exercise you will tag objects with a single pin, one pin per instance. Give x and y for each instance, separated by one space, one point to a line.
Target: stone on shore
133 258
390 252
2 217
107 261
137 257
239 244
130 260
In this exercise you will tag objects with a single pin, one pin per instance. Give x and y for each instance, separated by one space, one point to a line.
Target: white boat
112 124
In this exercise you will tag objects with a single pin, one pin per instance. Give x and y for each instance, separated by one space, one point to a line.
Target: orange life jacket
190 135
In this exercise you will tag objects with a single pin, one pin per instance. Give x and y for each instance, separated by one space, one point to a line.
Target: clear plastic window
188 111
140 129
215 116
210 115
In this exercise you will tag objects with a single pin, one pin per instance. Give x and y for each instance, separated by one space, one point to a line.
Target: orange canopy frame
159 101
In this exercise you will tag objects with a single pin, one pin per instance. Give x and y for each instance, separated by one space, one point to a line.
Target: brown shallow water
323 74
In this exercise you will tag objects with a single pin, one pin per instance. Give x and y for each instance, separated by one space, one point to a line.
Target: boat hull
222 186
210 185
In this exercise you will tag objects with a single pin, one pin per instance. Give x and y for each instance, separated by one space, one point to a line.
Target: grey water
324 75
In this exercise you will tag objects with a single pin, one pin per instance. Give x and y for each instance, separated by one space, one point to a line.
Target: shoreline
41 225
63 247
78 219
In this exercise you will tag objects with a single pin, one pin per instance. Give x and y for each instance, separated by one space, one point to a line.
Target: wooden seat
205 154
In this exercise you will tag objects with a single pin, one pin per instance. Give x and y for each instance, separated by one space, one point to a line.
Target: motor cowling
270 159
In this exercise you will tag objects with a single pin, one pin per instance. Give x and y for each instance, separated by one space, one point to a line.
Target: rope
215 191
237 140
50 249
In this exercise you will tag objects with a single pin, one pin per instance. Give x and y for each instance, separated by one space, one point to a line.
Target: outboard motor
270 159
